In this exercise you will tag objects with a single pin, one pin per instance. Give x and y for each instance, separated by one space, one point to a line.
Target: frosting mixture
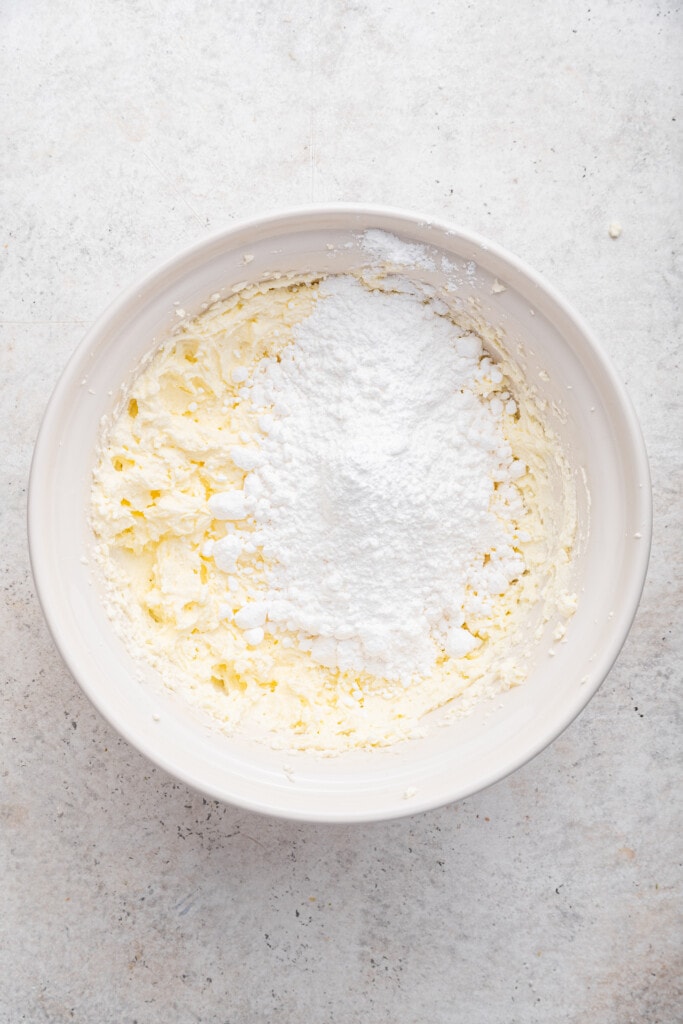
323 510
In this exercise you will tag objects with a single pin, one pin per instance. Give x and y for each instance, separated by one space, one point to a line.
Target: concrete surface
130 129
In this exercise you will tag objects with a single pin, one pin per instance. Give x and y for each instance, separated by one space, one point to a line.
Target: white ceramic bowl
601 438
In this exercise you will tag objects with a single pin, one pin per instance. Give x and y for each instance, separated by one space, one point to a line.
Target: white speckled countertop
131 129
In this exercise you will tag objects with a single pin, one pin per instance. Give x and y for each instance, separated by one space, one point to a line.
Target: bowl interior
591 415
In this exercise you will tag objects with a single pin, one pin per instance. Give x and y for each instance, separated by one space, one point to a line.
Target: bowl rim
632 442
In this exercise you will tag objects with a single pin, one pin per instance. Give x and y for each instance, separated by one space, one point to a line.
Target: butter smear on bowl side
323 509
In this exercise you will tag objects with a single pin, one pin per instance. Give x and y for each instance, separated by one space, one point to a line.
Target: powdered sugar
372 492
388 248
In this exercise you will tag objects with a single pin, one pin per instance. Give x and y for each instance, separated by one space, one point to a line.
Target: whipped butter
323 510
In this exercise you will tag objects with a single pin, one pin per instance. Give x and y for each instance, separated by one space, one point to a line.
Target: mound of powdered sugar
388 248
372 484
